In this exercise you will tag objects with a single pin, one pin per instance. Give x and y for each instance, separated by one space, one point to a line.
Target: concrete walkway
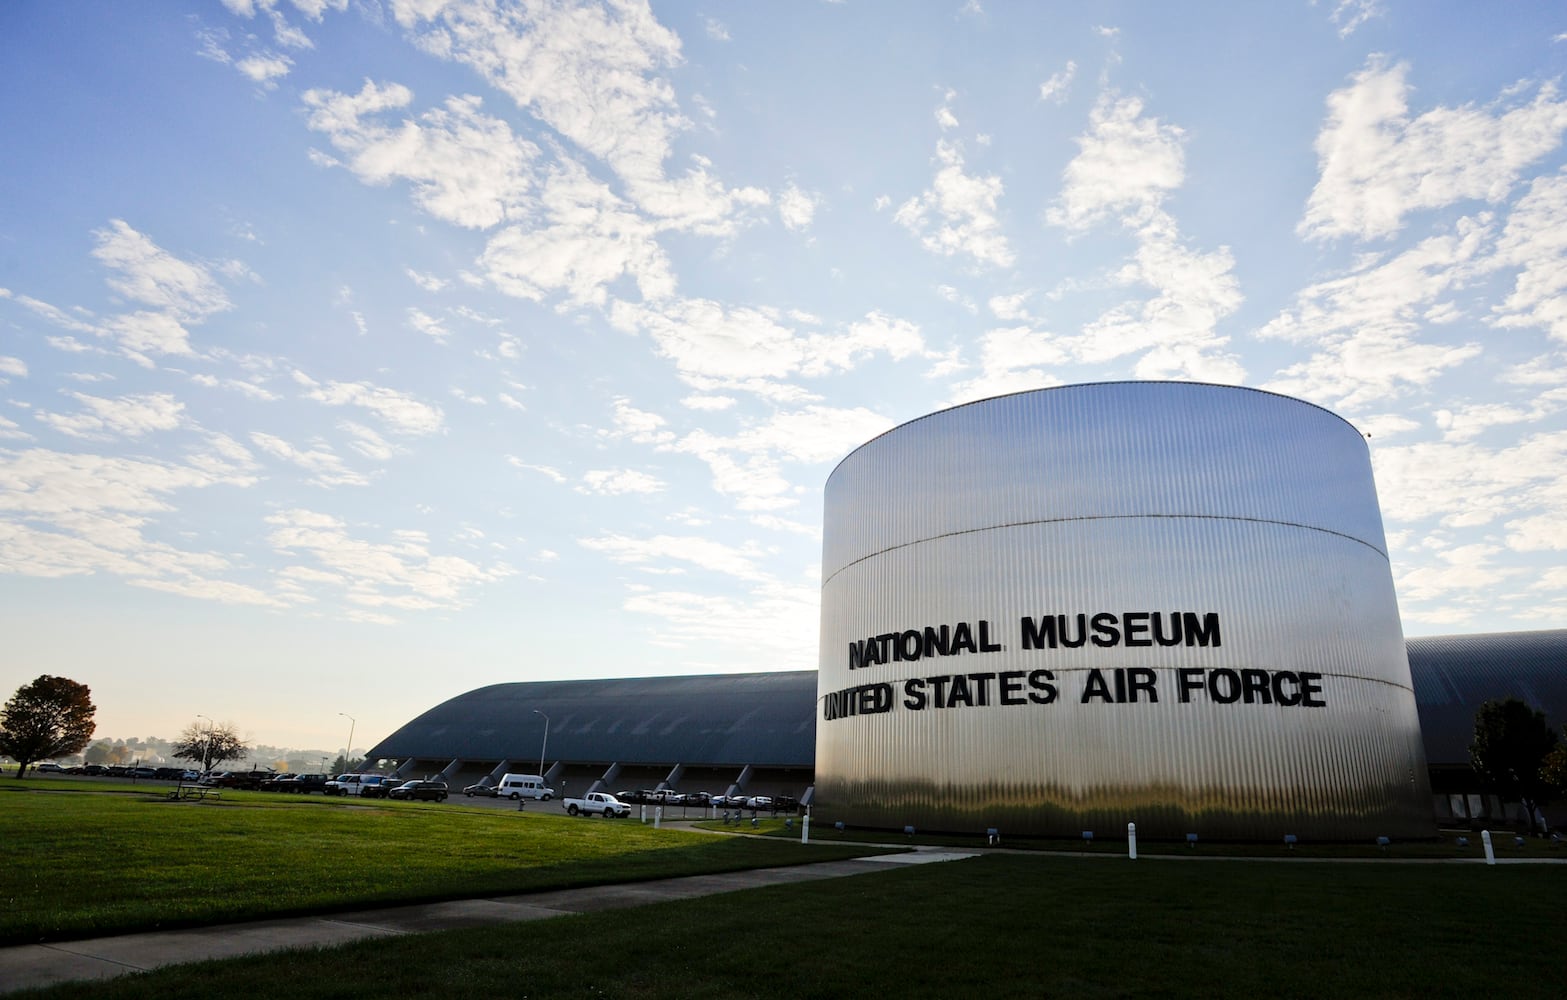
31 966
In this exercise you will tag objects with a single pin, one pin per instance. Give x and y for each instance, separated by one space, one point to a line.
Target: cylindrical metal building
1068 609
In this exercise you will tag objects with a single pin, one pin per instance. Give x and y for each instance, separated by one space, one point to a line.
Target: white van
524 786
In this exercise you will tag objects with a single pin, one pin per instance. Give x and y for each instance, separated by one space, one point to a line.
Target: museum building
1062 610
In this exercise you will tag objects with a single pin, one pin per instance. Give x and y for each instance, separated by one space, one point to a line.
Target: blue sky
357 354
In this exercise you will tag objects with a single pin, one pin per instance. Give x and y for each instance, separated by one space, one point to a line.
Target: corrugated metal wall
1250 510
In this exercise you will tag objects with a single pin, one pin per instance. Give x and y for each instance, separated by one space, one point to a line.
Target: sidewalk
35 965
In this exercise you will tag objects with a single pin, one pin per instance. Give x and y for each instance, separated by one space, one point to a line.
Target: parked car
304 784
238 779
271 784
49 768
757 803
94 769
144 772
353 783
481 789
430 791
376 786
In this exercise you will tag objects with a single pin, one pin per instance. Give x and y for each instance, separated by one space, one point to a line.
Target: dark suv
430 791
303 783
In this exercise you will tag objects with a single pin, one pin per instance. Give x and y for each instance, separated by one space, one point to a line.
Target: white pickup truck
598 804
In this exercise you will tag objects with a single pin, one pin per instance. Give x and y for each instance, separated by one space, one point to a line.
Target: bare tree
210 746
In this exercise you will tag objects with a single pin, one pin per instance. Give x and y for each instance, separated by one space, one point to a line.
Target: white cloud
751 349
1469 422
1539 533
146 273
10 430
427 325
709 403
796 208
400 574
368 443
428 282
615 482
1378 165
1534 241
403 413
125 416
1176 330
748 464
1010 307
13 366
593 75
592 241
240 386
1467 484
704 553
1365 323
466 167
324 466
543 470
1351 14
639 426
1125 165
73 514
265 70
957 214
1055 88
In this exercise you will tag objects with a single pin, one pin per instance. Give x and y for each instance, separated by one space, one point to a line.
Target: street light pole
348 751
206 753
543 744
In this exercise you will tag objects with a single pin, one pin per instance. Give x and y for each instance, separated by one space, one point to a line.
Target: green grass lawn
89 858
997 926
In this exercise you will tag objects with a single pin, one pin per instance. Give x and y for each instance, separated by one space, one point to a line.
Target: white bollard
642 818
1131 841
1490 855
805 830
658 816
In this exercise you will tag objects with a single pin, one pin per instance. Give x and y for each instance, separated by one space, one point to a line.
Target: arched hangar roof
769 719
765 719
1455 674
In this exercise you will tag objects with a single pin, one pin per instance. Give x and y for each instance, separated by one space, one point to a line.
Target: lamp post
544 743
348 751
206 753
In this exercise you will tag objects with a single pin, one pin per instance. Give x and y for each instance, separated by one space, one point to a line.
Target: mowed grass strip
88 862
997 926
1507 845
